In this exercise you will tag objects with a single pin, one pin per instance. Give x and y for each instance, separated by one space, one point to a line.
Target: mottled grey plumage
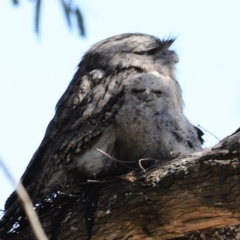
125 100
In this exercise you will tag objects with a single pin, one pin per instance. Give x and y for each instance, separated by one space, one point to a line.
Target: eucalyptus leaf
16 2
80 22
67 10
37 15
70 9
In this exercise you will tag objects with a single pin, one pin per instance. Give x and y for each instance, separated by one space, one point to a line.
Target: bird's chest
141 133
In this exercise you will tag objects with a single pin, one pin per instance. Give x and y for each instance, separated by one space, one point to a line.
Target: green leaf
16 2
80 22
37 15
67 11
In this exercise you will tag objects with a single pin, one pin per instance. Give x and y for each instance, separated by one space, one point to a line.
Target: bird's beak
148 97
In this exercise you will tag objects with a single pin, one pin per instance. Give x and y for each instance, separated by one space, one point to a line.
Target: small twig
27 204
139 161
112 158
145 159
209 132
71 195
192 236
97 181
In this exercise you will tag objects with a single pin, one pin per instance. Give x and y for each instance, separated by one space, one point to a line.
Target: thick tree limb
196 192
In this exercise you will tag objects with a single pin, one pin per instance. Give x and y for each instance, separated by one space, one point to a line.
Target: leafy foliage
71 11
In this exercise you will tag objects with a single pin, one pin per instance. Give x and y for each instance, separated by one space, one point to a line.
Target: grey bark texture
190 193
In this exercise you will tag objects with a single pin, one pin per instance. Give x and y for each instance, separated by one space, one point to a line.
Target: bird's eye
157 92
148 52
140 53
137 91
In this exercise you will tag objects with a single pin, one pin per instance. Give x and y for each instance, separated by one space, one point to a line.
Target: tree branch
196 192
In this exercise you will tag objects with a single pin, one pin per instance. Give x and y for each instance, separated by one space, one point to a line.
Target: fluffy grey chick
125 100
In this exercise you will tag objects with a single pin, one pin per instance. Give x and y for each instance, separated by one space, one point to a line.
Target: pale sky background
36 70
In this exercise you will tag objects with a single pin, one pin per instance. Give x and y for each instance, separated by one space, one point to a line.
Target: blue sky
35 70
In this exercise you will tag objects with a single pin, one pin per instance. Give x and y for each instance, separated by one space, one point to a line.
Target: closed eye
149 52
136 91
157 92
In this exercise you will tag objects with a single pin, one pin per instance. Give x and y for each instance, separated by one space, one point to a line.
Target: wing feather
82 115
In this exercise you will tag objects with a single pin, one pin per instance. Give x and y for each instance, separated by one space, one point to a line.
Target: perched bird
124 100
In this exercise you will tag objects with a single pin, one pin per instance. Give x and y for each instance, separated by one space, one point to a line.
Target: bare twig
209 132
27 204
112 158
145 159
97 181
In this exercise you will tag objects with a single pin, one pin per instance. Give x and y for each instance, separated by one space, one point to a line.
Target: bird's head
130 50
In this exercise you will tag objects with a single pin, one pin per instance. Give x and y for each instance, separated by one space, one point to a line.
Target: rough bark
196 192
